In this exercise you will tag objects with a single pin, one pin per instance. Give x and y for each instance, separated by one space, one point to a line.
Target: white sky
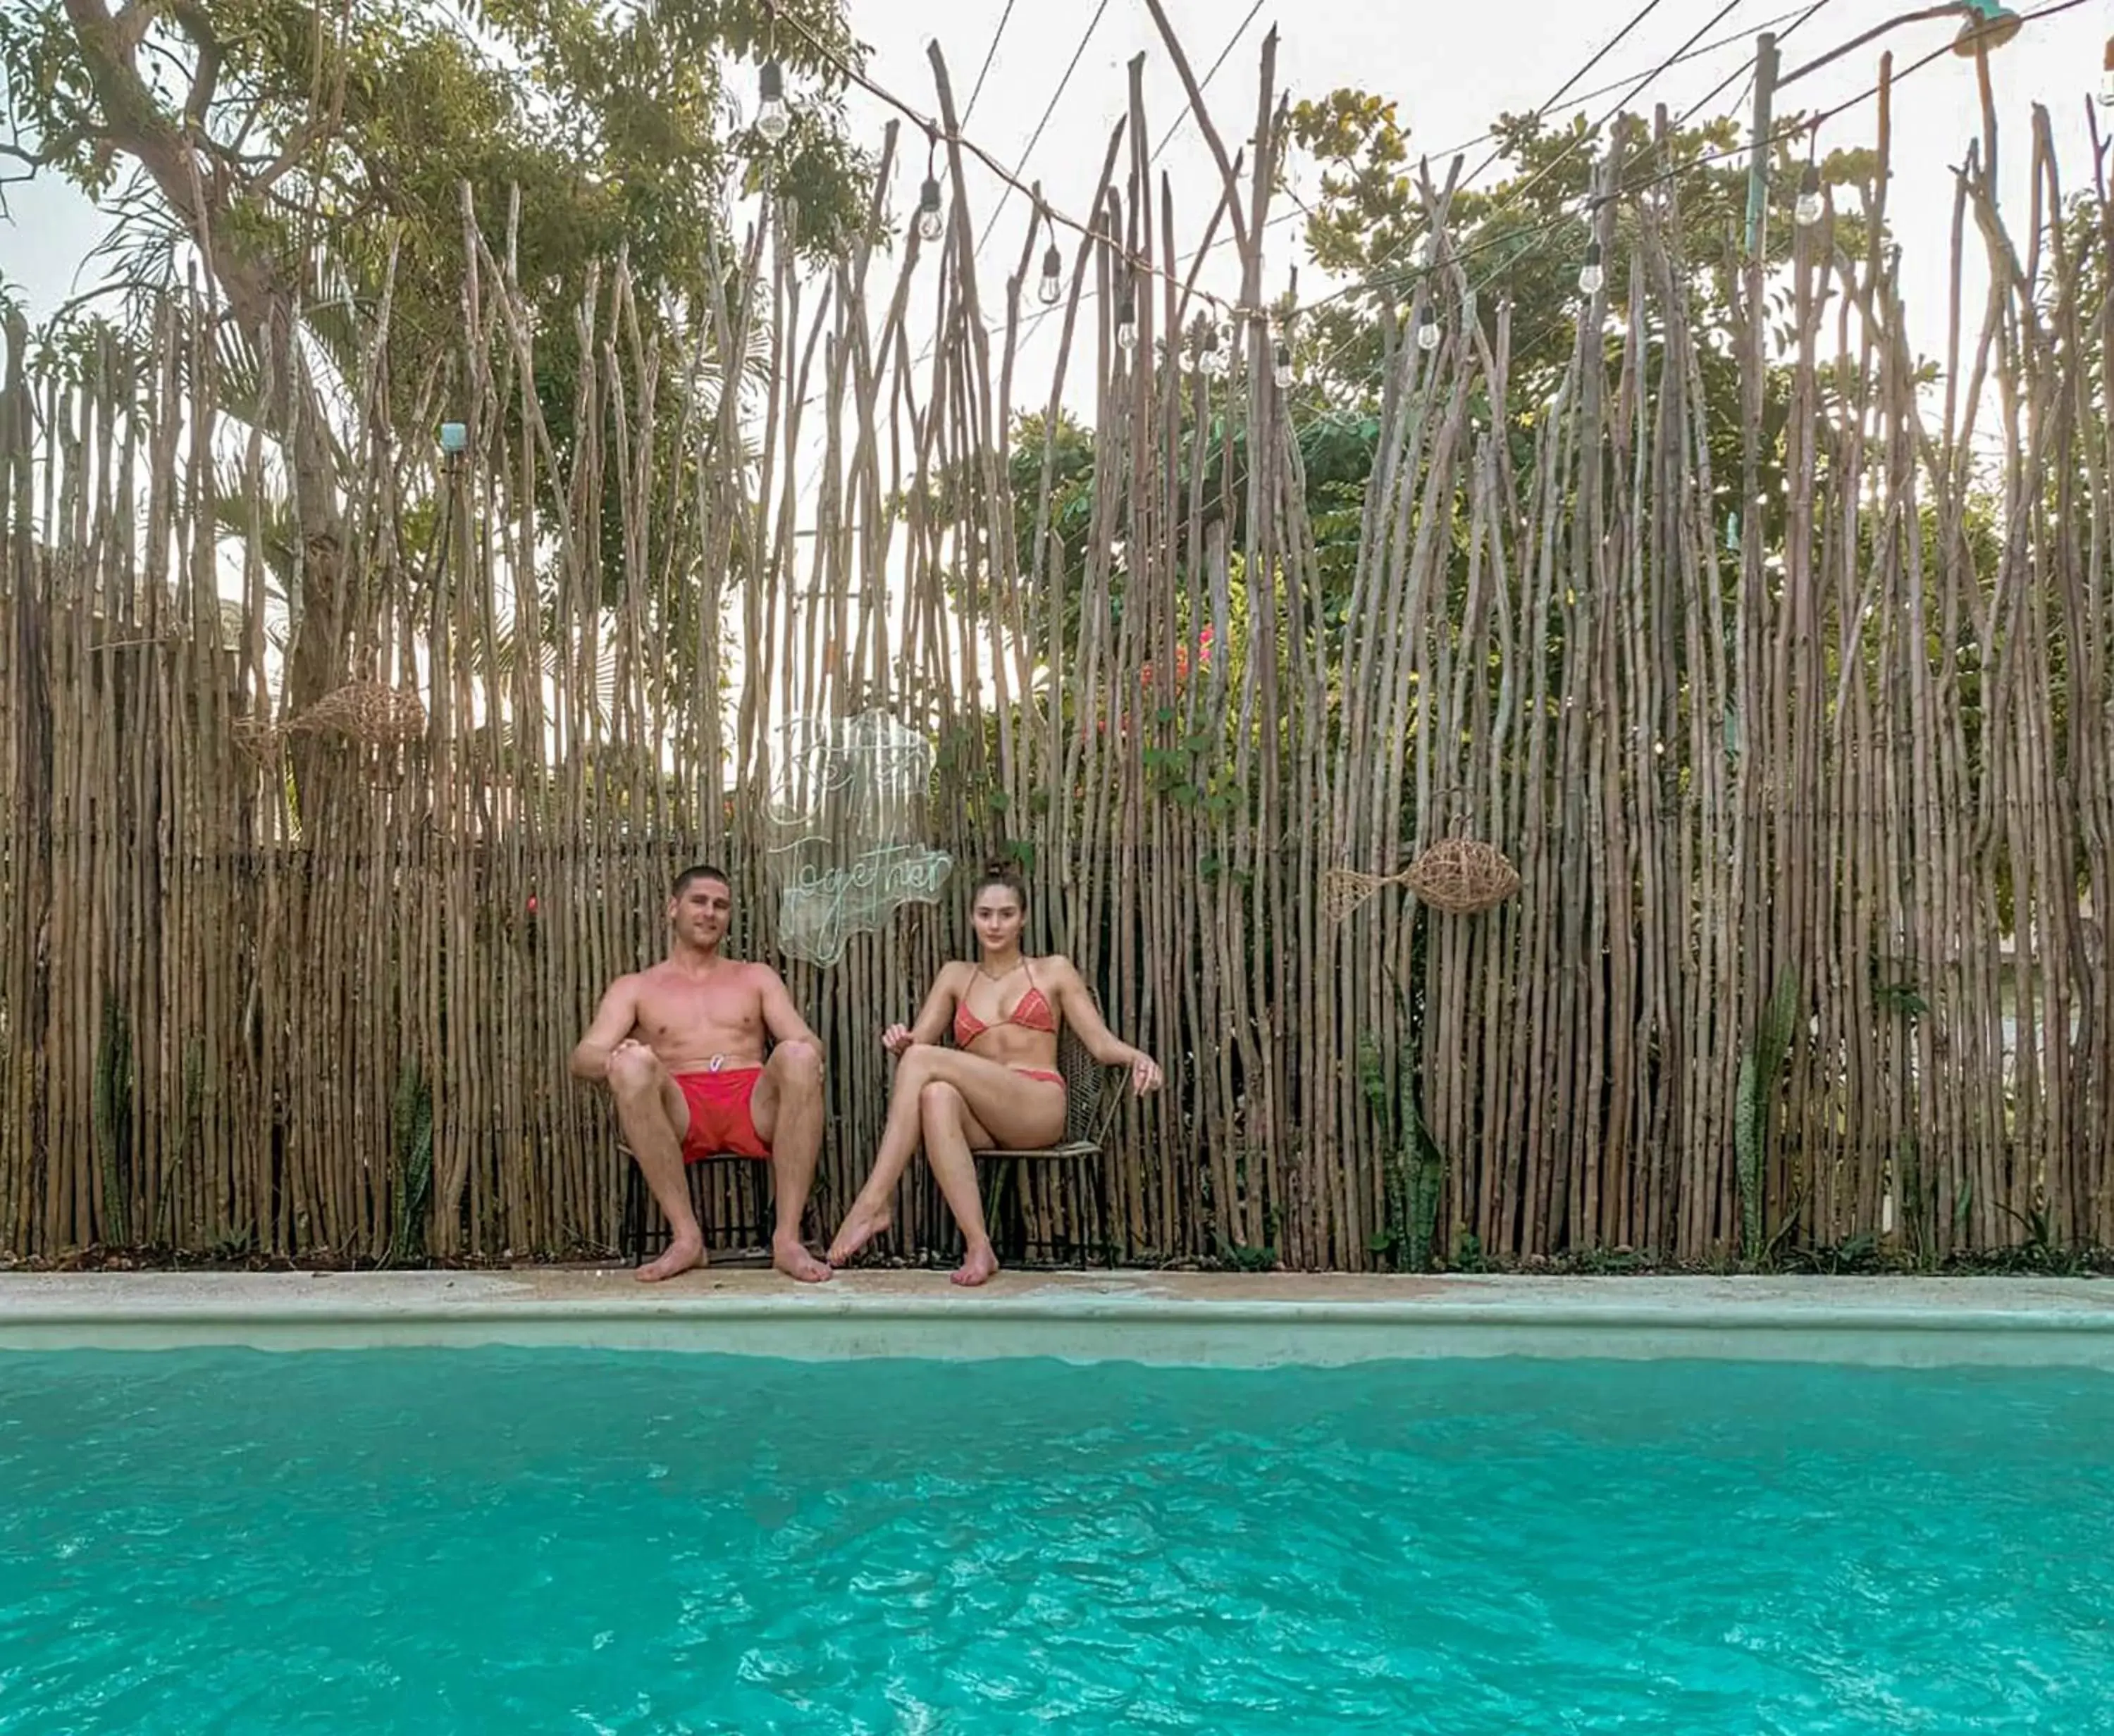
1450 70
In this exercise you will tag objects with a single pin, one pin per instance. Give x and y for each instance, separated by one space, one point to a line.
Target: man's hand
610 1061
895 1038
614 1020
1144 1073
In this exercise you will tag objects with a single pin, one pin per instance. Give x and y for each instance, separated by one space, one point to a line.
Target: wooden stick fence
1798 847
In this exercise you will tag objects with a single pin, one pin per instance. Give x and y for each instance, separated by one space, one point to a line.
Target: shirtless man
680 1047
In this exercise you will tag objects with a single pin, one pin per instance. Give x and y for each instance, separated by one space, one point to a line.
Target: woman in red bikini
998 1088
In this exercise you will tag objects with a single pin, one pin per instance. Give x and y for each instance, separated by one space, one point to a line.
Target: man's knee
798 1055
799 1063
635 1073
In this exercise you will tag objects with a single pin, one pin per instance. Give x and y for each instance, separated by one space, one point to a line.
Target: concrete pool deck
1230 1320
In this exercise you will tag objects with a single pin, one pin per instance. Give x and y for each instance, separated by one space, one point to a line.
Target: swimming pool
494 1539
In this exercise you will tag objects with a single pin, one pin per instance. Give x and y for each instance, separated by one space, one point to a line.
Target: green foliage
1894 990
1525 235
1412 1167
1427 1177
356 128
1755 1094
1241 1256
112 1118
326 153
411 1143
1391 1241
1336 456
1067 447
1521 239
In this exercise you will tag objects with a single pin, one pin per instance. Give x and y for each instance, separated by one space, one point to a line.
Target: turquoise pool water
472 1541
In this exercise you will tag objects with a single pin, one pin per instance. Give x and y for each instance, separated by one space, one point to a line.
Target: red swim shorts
719 1121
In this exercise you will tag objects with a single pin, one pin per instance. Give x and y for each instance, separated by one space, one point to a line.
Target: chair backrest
1093 1093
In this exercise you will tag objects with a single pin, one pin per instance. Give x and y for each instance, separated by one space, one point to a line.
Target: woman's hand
1144 1072
895 1038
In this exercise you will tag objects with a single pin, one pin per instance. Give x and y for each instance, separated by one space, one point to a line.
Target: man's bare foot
797 1262
980 1267
859 1227
684 1253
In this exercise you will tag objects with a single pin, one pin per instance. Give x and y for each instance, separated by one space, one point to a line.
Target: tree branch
191 19
1204 122
129 28
196 189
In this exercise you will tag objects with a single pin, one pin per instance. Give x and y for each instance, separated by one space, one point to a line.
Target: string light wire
1467 144
1789 130
1513 195
1204 83
1134 263
1034 137
991 54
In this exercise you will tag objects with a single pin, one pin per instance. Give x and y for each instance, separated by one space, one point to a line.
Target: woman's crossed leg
954 1103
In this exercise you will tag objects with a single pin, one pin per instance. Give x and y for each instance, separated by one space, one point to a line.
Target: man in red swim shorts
681 1049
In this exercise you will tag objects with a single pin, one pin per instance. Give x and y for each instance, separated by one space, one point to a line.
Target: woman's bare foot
797 1262
979 1267
684 1253
861 1224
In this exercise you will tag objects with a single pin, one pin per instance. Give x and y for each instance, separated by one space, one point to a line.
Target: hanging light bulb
1210 358
2106 76
1807 212
929 224
1280 367
1126 315
1052 286
1591 278
772 118
1427 330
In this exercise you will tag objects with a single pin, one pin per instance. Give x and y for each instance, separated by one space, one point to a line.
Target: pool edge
1241 1332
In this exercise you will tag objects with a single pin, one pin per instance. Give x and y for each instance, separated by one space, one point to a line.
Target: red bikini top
1031 1012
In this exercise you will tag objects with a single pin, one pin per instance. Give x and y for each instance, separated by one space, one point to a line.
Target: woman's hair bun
1003 870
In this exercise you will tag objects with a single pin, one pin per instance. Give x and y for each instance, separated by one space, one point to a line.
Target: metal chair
731 1195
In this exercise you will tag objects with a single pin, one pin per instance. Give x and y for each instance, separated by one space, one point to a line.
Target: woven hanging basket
365 711
1457 875
368 714
1462 877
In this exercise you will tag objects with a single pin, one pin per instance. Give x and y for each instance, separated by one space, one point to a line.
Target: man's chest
674 1010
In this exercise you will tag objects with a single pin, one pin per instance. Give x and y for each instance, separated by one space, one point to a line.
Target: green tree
1523 238
311 158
